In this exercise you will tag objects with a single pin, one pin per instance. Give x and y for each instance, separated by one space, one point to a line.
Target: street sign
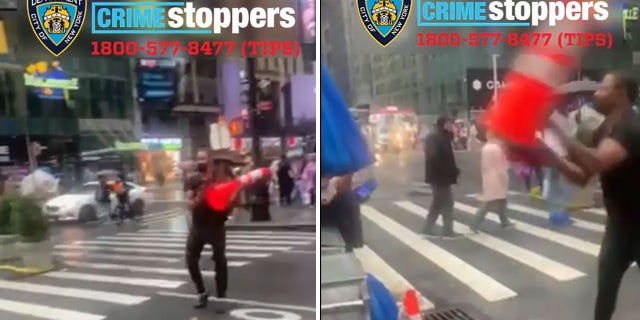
264 314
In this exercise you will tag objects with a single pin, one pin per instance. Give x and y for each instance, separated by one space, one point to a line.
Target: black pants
196 241
538 175
441 204
498 206
312 196
620 246
286 189
343 213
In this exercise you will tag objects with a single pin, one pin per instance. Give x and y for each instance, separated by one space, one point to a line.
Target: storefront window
8 83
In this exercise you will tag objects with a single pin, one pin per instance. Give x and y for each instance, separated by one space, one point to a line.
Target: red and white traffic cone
219 196
410 306
524 106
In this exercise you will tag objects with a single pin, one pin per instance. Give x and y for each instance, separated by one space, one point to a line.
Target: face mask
202 167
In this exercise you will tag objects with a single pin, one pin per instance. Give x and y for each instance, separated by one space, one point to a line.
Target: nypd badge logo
56 24
384 19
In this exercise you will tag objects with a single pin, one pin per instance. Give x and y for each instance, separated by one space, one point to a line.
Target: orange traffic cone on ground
410 306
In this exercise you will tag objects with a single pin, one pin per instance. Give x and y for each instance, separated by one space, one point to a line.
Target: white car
80 204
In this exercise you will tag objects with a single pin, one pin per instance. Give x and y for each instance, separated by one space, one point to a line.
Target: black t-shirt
620 184
203 216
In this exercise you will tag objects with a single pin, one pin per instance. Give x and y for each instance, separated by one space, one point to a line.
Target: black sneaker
509 225
474 229
429 234
203 300
450 236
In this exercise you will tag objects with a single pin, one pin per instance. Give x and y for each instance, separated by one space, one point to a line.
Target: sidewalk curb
307 227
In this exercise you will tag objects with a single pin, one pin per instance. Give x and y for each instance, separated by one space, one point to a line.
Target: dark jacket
440 163
103 193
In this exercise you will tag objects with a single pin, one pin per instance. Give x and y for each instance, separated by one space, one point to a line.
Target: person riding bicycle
120 189
103 195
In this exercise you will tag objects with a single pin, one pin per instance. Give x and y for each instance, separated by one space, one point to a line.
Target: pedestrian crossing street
127 269
531 251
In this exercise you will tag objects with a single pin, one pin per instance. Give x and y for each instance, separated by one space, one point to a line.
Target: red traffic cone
410 305
218 197
523 108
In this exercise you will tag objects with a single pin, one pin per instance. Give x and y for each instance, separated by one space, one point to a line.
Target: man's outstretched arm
584 163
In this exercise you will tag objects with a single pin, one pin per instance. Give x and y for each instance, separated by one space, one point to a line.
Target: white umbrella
578 86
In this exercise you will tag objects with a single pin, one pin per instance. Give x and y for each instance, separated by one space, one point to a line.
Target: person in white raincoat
495 181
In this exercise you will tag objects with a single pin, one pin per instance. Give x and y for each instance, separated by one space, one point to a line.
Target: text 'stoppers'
57 23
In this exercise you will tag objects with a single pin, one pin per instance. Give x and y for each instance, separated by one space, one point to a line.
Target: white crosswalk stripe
177 245
547 266
395 282
128 269
45 312
557 253
153 217
483 285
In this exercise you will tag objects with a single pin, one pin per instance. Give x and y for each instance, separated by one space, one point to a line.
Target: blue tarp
343 149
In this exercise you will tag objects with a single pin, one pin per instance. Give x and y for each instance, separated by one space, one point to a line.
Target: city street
137 271
528 272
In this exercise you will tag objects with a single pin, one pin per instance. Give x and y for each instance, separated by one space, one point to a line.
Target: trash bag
343 148
382 305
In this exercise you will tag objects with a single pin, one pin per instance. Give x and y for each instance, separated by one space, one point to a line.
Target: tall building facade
438 80
67 106
335 47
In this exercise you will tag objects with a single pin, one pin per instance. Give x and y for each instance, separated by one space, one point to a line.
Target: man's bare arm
586 163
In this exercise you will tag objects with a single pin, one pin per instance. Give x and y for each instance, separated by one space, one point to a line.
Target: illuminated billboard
157 79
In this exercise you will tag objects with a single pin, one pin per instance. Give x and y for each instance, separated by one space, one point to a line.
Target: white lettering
491 84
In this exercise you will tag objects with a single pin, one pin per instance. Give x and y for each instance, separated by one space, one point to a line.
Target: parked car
80 203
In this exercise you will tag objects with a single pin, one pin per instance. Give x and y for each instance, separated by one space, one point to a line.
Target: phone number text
195 48
514 39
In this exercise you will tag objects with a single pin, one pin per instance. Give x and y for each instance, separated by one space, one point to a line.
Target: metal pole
494 58
27 141
281 105
256 150
194 82
260 208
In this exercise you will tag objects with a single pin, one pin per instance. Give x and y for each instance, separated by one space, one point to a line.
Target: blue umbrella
343 149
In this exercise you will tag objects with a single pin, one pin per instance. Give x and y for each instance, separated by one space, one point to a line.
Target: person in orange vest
121 191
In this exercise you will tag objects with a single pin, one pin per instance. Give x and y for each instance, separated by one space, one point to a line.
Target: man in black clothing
285 181
208 227
617 160
441 172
